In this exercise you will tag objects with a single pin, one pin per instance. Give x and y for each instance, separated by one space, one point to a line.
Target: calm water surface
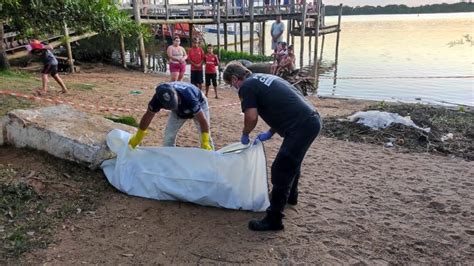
402 46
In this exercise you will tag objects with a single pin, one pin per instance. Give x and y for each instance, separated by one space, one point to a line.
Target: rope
88 106
400 77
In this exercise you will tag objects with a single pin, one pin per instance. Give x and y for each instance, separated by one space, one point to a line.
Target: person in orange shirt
195 58
212 61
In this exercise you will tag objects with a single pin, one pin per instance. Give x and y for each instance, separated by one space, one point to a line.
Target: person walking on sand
43 52
212 61
287 113
196 58
177 57
277 30
185 101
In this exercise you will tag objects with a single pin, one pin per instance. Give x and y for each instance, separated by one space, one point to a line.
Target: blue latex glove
245 139
264 136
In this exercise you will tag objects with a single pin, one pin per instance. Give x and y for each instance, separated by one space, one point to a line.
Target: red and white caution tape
87 106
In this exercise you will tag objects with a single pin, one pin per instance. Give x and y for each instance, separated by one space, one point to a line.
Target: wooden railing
227 10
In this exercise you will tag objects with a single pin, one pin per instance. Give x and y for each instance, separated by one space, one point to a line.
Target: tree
37 18
4 6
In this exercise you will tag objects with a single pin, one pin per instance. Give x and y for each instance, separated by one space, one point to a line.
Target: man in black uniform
287 113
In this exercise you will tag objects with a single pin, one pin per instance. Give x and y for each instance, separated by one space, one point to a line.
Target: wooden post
235 37
122 51
226 10
262 38
292 28
338 32
141 44
303 29
241 32
310 47
68 48
316 25
191 27
225 36
251 27
192 9
218 30
323 15
288 31
322 47
166 10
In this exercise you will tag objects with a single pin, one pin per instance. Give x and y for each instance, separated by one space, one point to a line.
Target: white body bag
234 177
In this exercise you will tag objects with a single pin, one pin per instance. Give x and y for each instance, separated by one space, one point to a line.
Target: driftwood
300 78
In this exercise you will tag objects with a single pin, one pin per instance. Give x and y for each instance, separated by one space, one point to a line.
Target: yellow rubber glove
137 138
205 144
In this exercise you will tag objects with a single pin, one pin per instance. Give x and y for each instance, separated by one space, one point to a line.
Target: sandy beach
359 204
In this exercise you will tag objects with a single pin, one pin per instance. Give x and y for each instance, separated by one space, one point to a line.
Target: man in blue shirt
185 101
287 113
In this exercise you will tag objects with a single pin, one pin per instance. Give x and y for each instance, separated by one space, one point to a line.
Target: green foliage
127 120
19 81
37 18
227 56
14 74
81 86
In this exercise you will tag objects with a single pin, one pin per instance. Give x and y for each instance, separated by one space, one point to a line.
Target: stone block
61 131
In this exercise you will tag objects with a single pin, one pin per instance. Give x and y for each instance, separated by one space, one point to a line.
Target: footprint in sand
436 205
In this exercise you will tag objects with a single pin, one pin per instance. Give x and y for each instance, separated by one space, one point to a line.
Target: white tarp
233 177
377 119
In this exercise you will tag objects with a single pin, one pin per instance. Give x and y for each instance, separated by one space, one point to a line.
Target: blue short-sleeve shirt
190 100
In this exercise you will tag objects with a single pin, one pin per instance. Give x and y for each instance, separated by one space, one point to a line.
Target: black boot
271 222
293 198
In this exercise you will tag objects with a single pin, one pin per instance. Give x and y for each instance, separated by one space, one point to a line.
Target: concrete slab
61 131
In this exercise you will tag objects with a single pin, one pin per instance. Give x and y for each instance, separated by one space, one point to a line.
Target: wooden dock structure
304 19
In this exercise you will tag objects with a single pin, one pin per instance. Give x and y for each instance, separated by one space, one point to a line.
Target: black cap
167 96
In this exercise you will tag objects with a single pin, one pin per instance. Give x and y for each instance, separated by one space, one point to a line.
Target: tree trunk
122 51
70 60
4 65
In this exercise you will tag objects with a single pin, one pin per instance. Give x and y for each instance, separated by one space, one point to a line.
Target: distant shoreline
401 9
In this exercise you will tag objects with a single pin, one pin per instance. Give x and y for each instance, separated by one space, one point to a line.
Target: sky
387 2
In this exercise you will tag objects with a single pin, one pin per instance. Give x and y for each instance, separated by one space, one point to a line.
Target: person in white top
177 57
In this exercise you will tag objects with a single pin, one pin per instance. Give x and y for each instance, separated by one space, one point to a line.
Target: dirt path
359 203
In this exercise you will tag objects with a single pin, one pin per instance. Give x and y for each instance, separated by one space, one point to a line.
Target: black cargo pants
287 164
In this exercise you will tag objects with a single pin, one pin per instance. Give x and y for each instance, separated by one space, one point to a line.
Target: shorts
177 67
267 2
196 77
211 77
50 69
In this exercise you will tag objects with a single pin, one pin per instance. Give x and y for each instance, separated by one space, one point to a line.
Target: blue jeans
175 123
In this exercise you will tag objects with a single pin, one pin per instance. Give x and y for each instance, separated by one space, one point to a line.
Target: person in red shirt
196 57
211 74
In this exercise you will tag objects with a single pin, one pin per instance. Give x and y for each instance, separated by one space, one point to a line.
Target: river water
408 58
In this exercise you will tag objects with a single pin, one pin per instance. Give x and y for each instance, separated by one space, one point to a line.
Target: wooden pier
305 19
